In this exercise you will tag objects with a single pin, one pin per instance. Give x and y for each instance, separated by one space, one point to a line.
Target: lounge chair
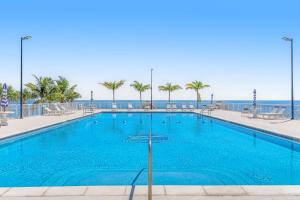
174 106
130 106
219 105
245 111
191 107
65 110
183 107
3 120
88 110
147 107
48 111
58 109
169 106
213 107
276 113
114 106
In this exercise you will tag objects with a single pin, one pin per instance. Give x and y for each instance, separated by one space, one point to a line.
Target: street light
292 74
151 90
21 82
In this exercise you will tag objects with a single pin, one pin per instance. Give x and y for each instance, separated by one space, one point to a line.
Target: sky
234 46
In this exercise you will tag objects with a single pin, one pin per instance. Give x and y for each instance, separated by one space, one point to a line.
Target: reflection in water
254 140
292 161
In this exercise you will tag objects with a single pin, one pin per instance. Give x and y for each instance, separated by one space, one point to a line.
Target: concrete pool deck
282 127
19 126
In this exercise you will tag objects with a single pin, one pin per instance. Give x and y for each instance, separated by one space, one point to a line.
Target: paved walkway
289 128
17 126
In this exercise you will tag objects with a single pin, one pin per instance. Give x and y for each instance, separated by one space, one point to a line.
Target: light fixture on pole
21 80
292 74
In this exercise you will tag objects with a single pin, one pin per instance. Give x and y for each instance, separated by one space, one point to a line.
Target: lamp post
151 90
292 74
21 82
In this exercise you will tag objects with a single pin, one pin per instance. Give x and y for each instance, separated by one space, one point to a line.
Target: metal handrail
206 109
150 166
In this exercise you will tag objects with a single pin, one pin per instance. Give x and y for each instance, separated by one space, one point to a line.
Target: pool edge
158 190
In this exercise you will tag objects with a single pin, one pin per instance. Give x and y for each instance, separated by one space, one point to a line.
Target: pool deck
159 192
282 127
286 128
17 126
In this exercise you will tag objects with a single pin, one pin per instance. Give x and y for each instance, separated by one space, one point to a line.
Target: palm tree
113 86
140 87
65 93
197 86
71 94
43 89
168 87
27 95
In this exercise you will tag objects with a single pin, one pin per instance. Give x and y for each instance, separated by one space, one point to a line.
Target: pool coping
158 190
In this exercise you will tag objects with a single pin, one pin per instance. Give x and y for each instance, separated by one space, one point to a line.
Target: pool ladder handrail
150 166
206 108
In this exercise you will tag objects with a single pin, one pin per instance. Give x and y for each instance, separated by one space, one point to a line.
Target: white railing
264 108
38 109
30 110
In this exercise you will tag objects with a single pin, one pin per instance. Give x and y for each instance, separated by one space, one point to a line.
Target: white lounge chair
169 106
3 122
212 107
191 107
58 109
183 107
130 106
245 111
65 110
114 106
48 111
276 113
147 107
88 110
174 106
3 119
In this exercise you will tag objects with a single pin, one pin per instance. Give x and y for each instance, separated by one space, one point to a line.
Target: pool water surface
111 149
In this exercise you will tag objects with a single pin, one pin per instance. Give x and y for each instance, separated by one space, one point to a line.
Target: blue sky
235 46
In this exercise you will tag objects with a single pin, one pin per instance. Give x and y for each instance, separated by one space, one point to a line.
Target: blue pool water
110 149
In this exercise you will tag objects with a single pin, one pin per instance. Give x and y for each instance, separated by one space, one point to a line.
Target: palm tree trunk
141 99
169 96
197 93
113 95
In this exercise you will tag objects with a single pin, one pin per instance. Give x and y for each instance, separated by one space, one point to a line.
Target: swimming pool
111 149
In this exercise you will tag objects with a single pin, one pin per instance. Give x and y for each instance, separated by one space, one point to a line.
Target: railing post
150 166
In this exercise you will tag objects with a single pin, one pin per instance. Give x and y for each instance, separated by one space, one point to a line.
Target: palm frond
169 87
